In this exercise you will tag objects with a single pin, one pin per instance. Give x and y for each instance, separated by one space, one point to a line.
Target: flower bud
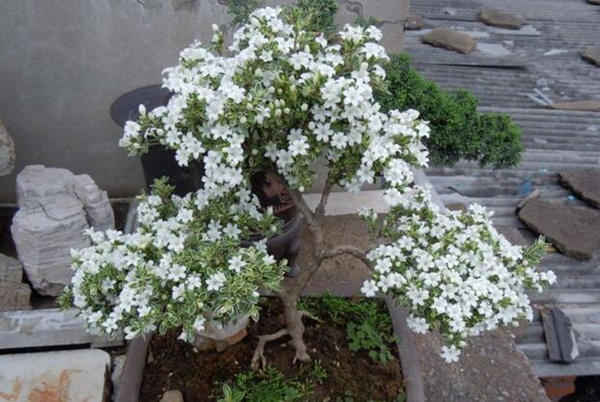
215 27
142 110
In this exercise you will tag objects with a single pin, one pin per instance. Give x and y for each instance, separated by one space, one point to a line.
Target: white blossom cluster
282 97
184 265
453 272
279 98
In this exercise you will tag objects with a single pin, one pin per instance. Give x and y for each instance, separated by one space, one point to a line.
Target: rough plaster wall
63 62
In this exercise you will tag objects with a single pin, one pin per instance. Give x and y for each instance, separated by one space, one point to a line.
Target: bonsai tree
278 99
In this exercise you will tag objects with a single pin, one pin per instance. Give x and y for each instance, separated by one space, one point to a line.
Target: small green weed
368 323
269 386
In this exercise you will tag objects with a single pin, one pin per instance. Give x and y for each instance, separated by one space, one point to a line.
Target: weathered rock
7 152
451 40
501 19
95 202
14 295
572 230
456 206
413 22
584 183
588 106
172 396
52 220
534 195
11 269
78 375
591 55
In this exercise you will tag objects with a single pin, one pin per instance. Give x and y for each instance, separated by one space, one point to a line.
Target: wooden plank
48 327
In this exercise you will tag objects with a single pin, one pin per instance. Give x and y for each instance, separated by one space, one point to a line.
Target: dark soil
176 365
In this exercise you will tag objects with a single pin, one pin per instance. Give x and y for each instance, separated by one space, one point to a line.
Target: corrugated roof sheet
544 55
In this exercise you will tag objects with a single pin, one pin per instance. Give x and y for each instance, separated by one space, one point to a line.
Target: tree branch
320 211
349 250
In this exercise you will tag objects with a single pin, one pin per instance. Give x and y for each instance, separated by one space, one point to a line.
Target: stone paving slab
584 183
572 230
71 376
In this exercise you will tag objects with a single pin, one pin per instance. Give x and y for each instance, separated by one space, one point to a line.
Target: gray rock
584 183
456 206
572 230
413 22
451 40
14 295
535 194
96 204
589 105
52 220
172 396
501 19
11 269
591 55
7 152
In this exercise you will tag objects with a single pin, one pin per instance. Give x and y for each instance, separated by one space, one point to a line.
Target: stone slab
572 230
502 19
413 22
584 183
591 55
48 327
588 106
7 152
78 376
451 40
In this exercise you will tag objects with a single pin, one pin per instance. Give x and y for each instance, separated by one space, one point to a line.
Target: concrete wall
63 62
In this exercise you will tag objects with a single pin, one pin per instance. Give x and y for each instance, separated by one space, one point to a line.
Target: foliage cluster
458 131
368 323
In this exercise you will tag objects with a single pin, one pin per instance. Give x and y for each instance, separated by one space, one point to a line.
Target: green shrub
458 131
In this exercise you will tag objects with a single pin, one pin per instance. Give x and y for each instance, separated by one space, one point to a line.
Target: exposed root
258 359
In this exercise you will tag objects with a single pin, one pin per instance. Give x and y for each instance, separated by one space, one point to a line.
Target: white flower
236 263
199 323
216 281
417 324
369 288
450 354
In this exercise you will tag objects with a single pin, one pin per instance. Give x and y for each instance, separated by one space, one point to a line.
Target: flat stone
172 396
457 206
54 376
591 55
584 183
451 40
588 106
56 207
534 195
500 19
572 230
413 22
26 329
7 152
